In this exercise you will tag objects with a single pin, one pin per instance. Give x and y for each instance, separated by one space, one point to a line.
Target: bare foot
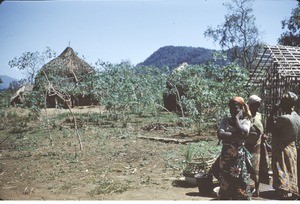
255 193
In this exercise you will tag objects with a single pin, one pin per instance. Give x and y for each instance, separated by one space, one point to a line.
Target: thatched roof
67 64
62 79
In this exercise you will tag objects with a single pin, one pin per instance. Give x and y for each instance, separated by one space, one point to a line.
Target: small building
62 79
276 71
172 99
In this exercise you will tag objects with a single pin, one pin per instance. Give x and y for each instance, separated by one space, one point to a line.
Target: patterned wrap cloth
233 164
284 152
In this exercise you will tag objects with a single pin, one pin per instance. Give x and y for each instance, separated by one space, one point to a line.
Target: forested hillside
173 56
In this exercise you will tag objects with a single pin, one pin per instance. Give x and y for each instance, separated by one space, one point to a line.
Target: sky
120 30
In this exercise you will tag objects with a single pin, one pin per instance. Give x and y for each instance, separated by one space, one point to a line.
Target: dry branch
178 99
61 96
161 139
45 106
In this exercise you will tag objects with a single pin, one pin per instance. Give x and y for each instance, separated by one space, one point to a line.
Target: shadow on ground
271 195
201 193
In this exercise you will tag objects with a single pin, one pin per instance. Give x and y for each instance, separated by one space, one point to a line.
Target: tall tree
31 62
291 36
238 33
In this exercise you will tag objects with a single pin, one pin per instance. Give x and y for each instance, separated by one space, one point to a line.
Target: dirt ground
114 164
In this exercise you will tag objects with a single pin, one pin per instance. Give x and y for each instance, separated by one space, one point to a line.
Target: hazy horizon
117 30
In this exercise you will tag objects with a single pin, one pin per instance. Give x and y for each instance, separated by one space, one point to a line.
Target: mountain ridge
173 56
6 80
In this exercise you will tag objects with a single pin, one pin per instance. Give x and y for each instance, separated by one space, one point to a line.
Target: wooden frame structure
277 70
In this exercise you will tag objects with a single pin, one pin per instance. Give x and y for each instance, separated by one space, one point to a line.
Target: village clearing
117 161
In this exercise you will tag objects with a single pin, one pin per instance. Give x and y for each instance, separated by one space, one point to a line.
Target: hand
239 115
264 137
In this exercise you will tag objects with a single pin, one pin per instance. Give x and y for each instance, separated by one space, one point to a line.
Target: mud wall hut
175 92
62 81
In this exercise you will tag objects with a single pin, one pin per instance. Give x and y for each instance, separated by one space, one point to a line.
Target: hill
6 80
173 56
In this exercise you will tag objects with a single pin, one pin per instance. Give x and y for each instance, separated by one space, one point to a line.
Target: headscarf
241 101
254 99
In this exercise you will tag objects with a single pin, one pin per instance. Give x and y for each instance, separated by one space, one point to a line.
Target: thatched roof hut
171 99
62 79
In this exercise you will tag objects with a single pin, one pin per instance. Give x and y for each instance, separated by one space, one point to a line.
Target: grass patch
114 159
109 186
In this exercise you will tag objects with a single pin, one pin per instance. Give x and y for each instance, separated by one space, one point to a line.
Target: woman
285 131
233 176
256 145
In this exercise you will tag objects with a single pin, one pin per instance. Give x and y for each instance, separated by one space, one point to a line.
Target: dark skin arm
232 136
253 131
252 138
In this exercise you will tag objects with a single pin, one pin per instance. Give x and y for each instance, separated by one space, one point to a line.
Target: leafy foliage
199 150
206 90
291 36
4 98
122 88
31 62
238 33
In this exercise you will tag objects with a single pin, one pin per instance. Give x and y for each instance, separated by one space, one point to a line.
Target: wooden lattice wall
276 71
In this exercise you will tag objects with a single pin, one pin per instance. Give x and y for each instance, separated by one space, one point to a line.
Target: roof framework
277 70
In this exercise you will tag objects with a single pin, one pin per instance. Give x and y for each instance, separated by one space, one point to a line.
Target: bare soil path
115 163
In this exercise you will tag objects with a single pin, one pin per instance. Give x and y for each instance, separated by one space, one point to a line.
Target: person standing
257 146
285 131
232 164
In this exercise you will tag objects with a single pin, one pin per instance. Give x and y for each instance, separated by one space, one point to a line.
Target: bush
124 89
205 91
